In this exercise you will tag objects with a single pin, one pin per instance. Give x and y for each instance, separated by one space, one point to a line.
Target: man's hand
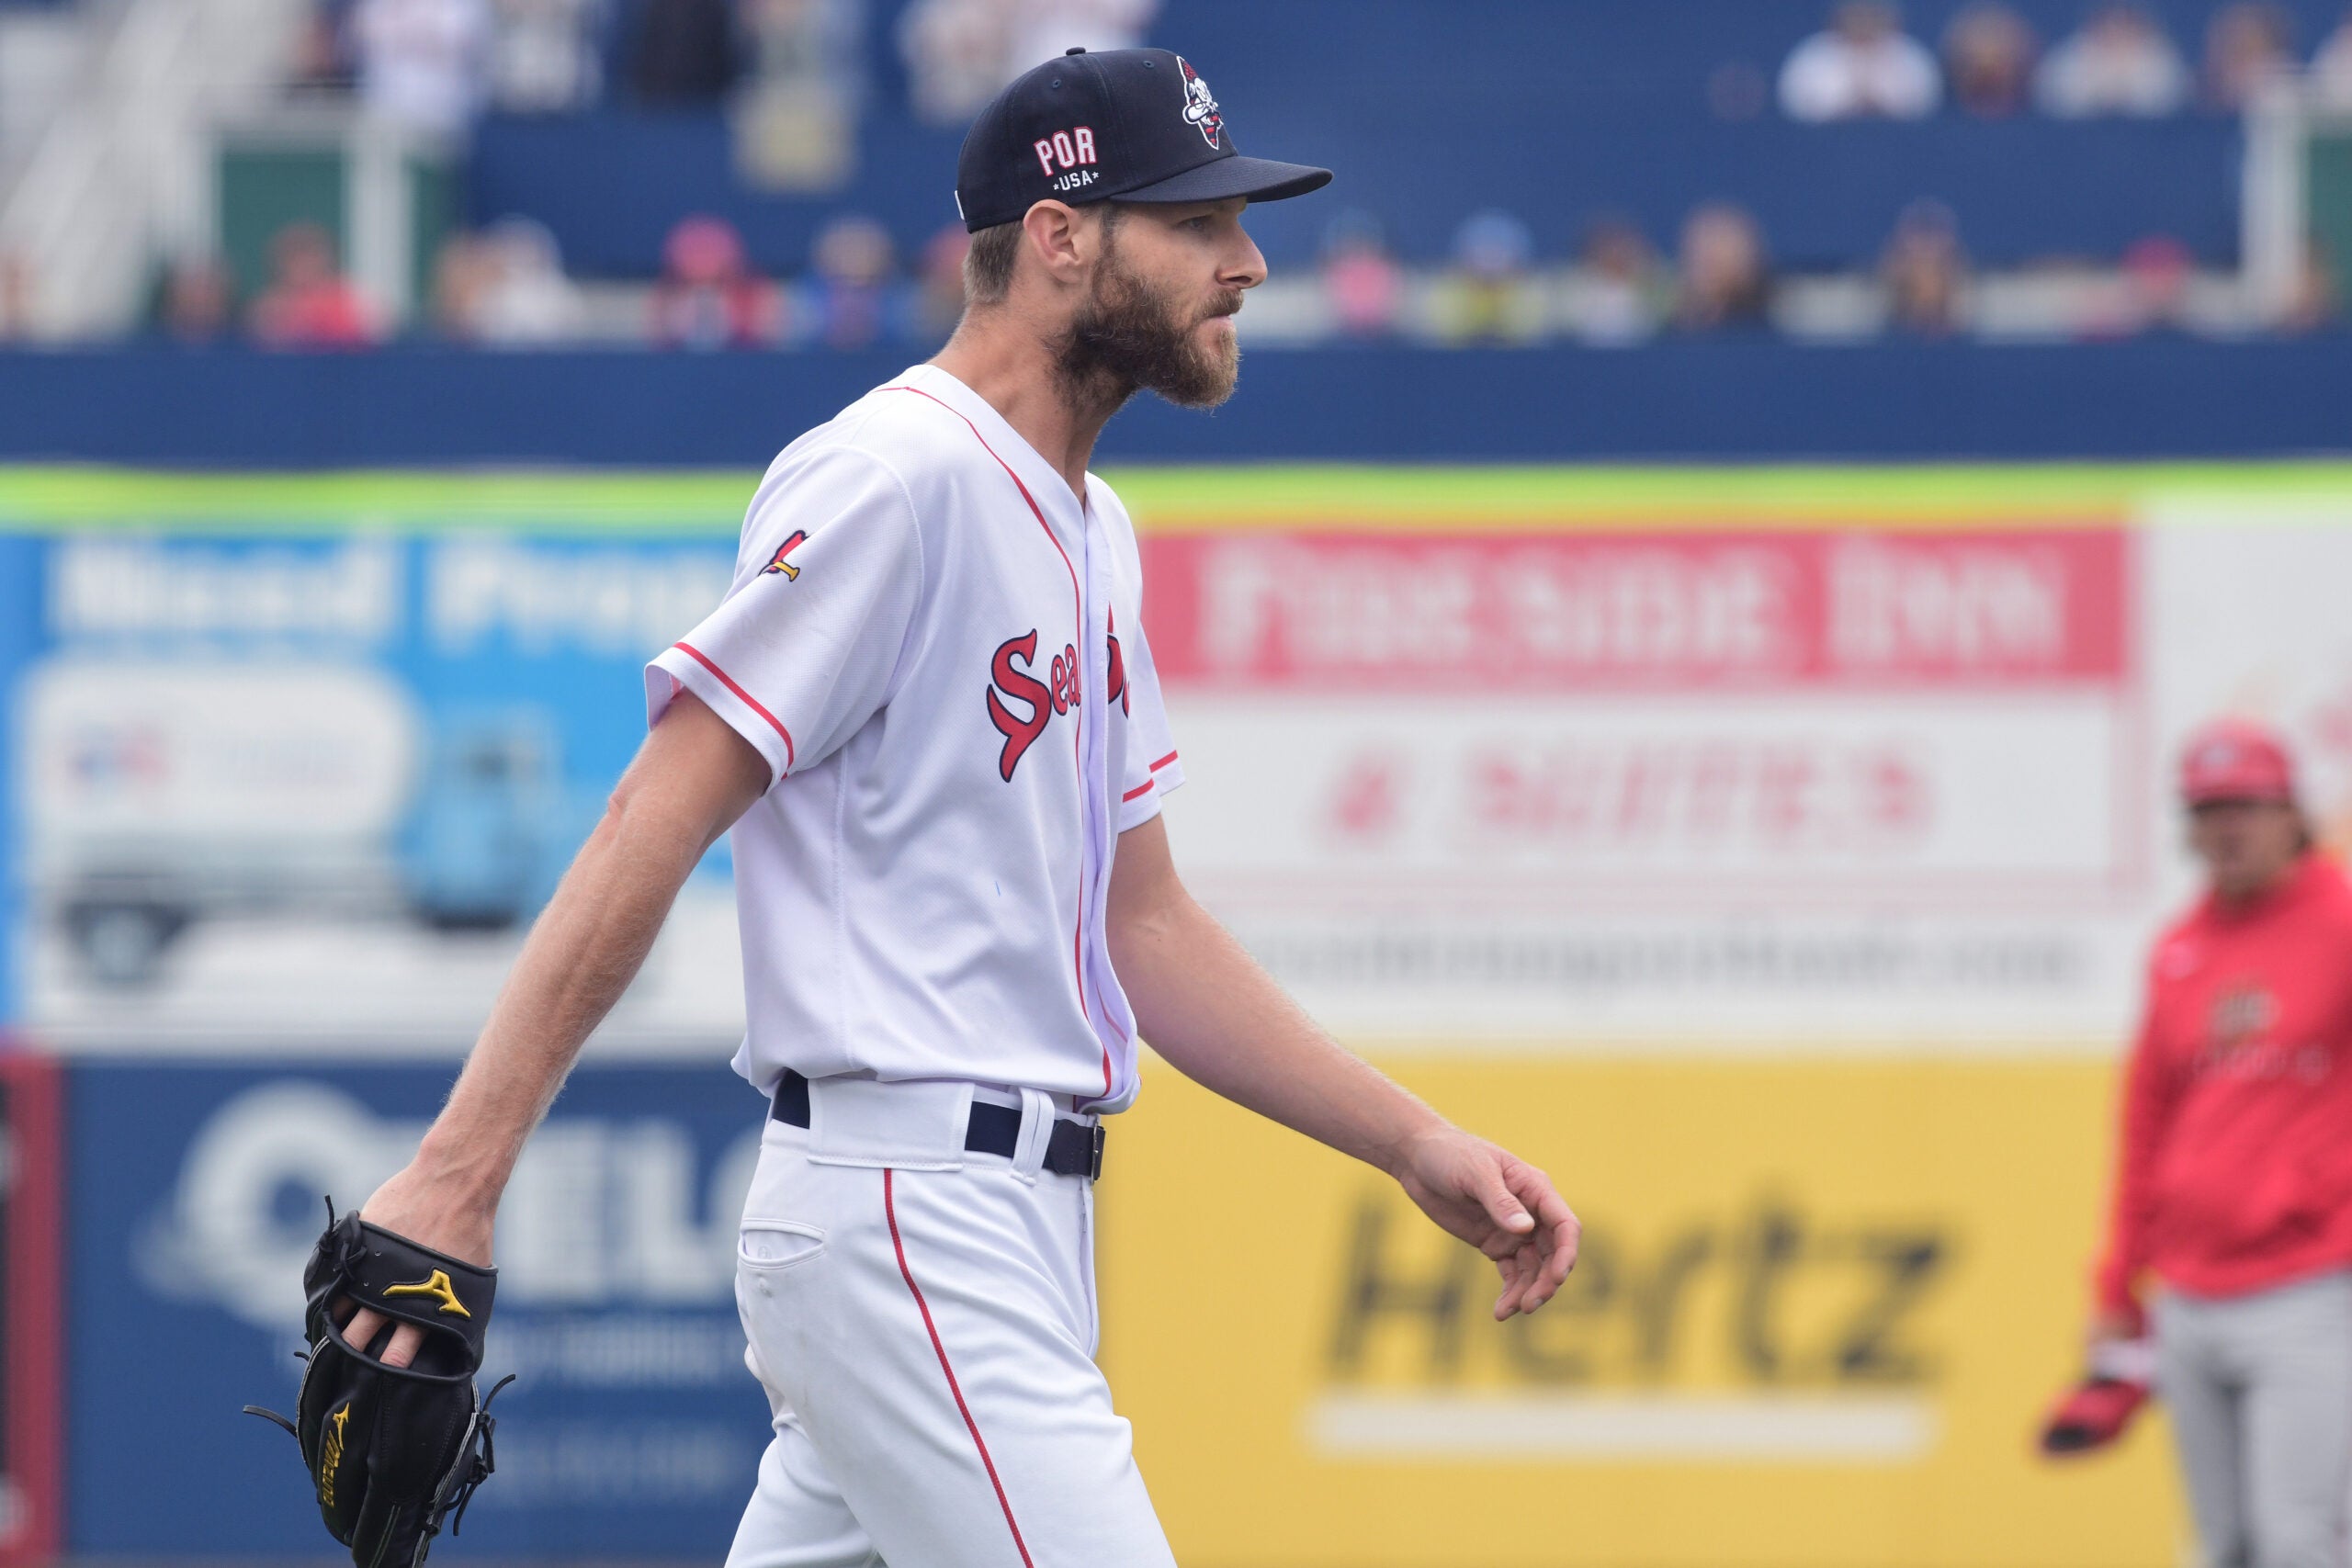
413 1205
1499 1204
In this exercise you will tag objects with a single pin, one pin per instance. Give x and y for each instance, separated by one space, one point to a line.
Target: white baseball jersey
939 650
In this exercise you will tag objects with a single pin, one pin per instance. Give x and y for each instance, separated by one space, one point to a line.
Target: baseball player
2233 1182
928 713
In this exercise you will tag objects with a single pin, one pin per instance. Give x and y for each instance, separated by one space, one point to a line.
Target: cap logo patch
1067 157
1199 108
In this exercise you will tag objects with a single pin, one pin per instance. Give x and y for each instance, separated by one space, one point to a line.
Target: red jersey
2235 1172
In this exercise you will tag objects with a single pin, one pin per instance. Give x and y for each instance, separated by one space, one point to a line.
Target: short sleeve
1152 768
803 650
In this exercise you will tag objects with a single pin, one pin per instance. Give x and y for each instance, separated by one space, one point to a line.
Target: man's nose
1246 267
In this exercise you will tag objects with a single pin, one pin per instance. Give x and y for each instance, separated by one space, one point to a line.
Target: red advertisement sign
32 1346
1499 613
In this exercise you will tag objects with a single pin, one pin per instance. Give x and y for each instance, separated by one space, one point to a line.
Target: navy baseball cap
1125 125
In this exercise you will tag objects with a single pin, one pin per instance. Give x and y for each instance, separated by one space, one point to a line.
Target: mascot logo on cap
1199 108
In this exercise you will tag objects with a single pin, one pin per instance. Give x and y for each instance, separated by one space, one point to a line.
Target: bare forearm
693 779
580 957
1206 1005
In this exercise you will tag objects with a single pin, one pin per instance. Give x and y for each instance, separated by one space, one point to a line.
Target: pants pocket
769 1247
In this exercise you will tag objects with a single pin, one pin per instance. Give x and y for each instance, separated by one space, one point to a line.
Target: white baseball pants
2260 1391
924 1320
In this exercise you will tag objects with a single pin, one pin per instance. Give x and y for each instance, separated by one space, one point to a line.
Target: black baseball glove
391 1449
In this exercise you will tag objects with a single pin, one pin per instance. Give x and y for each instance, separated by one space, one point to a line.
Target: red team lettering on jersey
1046 699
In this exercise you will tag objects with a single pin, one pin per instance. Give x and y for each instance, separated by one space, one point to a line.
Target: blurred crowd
505 286
1990 63
794 73
435 64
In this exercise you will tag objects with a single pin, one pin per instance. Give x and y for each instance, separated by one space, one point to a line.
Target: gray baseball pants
2259 1388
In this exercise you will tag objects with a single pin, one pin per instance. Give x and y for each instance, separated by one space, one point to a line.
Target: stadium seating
1560 110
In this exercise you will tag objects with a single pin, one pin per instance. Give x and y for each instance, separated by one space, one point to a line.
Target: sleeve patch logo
436 1285
777 563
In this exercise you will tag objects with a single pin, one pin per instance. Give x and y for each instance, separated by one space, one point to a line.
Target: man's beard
1126 340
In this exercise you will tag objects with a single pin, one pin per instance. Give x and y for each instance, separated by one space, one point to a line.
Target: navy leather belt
1075 1148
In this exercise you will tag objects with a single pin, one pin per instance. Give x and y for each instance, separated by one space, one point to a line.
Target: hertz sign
1820 1301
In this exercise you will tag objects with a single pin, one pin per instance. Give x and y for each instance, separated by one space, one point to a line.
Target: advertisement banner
1539 759
633 1428
274 789
1821 1306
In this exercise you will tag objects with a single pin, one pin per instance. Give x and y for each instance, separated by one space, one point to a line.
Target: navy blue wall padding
1717 400
611 185
1559 110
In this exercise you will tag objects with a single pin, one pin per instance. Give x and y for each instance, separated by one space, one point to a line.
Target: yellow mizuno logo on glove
436 1285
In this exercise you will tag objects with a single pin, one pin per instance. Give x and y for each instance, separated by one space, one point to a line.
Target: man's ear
1056 236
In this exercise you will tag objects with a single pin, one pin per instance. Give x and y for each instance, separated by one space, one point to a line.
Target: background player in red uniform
2233 1188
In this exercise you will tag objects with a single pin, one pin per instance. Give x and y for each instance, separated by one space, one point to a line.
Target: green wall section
703 501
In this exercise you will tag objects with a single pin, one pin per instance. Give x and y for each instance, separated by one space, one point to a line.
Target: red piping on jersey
749 701
1163 761
1078 731
1143 788
891 1211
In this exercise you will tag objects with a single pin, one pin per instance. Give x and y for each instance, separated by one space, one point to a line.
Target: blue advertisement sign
633 1429
19 636
273 789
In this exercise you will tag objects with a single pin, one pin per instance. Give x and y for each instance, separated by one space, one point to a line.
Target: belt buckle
1094 1164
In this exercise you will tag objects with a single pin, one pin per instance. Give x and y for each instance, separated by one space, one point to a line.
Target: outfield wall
1767 853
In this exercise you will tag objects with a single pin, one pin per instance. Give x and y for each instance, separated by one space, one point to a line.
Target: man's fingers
1502 1205
364 1324
406 1340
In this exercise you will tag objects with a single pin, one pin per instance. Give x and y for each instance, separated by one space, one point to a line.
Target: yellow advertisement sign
1822 1303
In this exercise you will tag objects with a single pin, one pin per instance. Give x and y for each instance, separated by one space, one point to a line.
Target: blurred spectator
322 56
1726 278
421 63
199 300
2119 63
460 276
1362 282
796 120
1488 295
1988 60
685 52
1044 28
2332 66
847 300
543 54
2158 272
1863 67
505 287
708 297
1621 295
954 53
16 296
1924 271
2247 45
309 303
958 53
939 294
